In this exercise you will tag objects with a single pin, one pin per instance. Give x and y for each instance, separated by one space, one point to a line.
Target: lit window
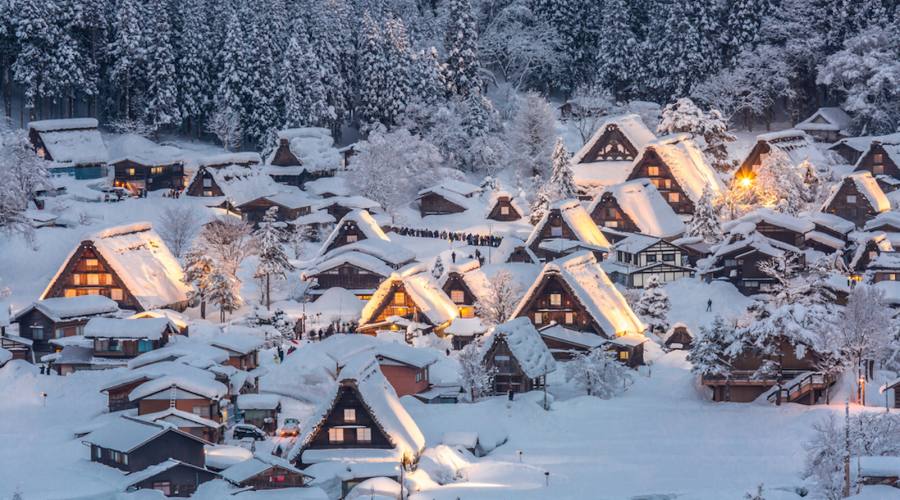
399 298
611 223
504 210
70 292
335 435
207 192
892 277
363 435
131 172
623 355
91 291
280 478
538 319
877 169
878 157
555 299
570 318
202 411
91 263
76 279
349 415
352 238
115 294
652 171
674 197
93 279
457 296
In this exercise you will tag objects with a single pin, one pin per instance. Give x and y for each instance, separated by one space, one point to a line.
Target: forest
243 69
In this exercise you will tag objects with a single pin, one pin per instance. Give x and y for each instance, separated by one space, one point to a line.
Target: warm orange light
746 182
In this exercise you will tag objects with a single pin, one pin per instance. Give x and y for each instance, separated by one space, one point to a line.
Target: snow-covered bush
653 306
474 375
499 299
598 372
709 129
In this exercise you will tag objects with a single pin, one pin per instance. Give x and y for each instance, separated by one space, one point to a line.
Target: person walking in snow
709 305
280 354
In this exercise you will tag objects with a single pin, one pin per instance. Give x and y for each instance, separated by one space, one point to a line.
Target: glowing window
570 318
116 294
349 415
674 197
91 263
335 435
555 299
538 319
363 435
352 238
93 279
623 355
504 210
70 292
457 296
652 171
399 298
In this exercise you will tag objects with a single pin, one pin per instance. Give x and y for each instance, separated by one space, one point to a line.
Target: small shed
873 470
260 410
518 355
502 206
827 124
679 337
172 478
265 472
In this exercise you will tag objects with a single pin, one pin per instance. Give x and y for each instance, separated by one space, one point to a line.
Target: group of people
481 240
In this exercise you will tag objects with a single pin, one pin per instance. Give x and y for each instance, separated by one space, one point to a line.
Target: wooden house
129 264
172 478
192 394
851 149
576 293
118 390
127 338
239 159
356 226
830 233
895 386
513 250
357 272
884 267
210 182
18 347
60 317
888 222
290 205
242 349
858 198
605 159
303 155
265 472
636 207
867 247
260 410
639 258
777 226
826 124
737 260
73 145
679 337
141 165
408 296
361 421
448 197
340 206
503 207
882 160
132 444
463 282
678 170
518 357
796 144
799 379
566 228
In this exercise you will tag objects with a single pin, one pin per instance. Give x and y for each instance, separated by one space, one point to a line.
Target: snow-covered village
450 249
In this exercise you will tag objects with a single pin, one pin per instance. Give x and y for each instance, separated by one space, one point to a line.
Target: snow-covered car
242 431
290 427
247 444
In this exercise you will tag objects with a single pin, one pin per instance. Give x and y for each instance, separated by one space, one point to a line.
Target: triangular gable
87 250
348 397
503 200
423 301
607 212
553 283
619 139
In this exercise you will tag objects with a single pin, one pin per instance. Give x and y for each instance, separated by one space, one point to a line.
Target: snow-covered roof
379 398
608 173
526 345
127 433
454 186
863 143
879 466
754 241
890 218
422 288
341 348
797 144
154 470
336 186
184 349
509 243
142 151
826 119
242 184
465 327
364 222
5 356
201 386
641 201
495 196
572 337
769 216
351 202
836 223
632 128
180 418
75 140
313 146
143 262
258 401
687 164
635 243
358 259
578 220
593 289
288 198
243 158
867 186
148 328
240 343
59 308
240 472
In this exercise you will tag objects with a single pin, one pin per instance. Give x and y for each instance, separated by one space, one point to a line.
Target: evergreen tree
128 52
233 89
742 26
372 71
598 372
262 116
461 43
428 85
160 102
198 268
273 261
705 221
194 56
437 270
714 348
531 134
688 49
331 38
561 185
222 291
304 99
618 48
653 306
399 62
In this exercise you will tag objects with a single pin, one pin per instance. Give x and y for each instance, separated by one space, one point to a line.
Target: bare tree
499 300
865 329
177 225
474 375
225 124
229 240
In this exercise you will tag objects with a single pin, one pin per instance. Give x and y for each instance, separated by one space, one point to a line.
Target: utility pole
846 492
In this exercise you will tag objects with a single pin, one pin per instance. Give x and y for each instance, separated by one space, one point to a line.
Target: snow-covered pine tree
233 90
437 270
304 100
705 221
709 129
778 184
128 53
194 59
159 106
687 49
273 261
198 268
266 26
461 43
499 301
330 37
428 85
530 135
223 293
618 52
474 376
713 349
742 26
399 63
653 306
372 71
560 186
598 372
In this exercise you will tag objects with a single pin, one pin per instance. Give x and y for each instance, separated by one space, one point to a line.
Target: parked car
290 427
242 431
